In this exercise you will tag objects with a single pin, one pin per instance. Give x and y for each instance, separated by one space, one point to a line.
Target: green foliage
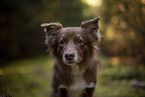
27 78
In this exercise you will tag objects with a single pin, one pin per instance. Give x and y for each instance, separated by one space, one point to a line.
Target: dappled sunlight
115 61
109 34
93 3
143 1
115 19
132 34
121 7
92 9
123 24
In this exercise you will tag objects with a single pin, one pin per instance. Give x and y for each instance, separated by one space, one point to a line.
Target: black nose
69 56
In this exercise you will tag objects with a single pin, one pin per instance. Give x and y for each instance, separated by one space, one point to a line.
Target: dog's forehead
71 30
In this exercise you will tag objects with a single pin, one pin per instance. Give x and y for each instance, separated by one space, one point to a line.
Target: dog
76 62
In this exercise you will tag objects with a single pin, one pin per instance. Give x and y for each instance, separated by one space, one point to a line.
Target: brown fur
87 60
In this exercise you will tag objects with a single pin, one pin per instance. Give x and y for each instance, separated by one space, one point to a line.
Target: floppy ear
91 27
51 29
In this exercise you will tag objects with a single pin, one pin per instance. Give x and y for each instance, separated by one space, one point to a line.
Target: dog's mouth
69 62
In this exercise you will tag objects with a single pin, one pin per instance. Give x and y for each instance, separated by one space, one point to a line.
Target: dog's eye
80 41
62 42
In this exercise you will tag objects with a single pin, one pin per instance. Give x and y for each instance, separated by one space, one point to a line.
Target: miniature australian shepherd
75 66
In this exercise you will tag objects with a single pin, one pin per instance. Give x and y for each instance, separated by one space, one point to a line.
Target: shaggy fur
75 66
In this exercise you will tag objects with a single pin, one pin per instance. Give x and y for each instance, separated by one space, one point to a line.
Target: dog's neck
76 70
78 83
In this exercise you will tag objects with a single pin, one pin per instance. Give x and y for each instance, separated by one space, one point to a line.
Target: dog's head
72 44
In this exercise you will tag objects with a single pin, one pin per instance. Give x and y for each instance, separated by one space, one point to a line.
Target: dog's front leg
62 91
89 90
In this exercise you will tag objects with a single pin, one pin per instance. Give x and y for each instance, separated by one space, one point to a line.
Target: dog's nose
69 56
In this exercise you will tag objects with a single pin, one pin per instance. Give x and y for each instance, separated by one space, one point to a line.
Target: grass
32 78
27 78
115 80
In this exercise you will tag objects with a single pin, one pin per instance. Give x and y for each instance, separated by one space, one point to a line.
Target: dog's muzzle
70 56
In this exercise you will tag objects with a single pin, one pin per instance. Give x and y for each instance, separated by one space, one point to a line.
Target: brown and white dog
75 66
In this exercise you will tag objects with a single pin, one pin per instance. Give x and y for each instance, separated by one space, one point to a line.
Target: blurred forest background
25 67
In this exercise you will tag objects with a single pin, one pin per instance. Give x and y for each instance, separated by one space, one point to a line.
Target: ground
32 78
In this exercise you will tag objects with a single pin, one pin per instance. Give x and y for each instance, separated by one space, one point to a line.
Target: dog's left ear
91 27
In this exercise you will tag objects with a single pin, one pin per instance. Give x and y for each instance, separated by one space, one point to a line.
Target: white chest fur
79 84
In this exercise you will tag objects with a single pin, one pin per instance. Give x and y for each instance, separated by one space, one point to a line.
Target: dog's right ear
51 28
